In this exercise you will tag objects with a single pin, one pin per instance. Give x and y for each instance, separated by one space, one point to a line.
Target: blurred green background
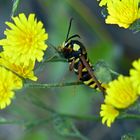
33 119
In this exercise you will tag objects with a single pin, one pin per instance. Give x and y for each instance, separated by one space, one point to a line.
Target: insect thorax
73 49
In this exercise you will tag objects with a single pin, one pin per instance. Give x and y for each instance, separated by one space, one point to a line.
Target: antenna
69 28
76 35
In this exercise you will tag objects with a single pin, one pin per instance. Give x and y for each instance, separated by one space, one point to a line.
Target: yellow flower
20 69
135 75
25 40
123 12
109 113
121 93
8 83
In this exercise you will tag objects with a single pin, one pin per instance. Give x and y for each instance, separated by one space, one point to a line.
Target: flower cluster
121 12
120 94
8 83
22 47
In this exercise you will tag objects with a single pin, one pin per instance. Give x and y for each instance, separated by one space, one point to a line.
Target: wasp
75 52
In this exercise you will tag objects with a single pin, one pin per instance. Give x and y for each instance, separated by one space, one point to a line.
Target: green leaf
62 125
128 137
104 12
102 71
65 127
135 106
15 6
135 27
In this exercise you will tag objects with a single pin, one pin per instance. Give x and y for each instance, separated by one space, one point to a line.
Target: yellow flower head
20 69
121 93
135 75
122 12
8 83
25 40
109 113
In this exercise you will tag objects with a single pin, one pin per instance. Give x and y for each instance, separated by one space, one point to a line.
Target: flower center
27 39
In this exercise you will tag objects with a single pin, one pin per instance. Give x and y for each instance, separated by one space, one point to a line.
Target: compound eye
66 44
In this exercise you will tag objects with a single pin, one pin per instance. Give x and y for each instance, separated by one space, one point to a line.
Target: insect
75 52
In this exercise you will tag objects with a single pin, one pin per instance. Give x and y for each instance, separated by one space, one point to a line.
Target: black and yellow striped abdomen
85 77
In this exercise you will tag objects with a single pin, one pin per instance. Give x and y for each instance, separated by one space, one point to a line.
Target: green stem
129 116
114 72
24 122
83 117
76 117
37 85
15 6
78 133
57 60
42 105
18 122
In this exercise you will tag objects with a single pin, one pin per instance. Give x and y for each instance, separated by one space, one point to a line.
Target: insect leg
80 67
71 66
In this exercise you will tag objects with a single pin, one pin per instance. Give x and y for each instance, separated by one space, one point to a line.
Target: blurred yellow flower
120 94
20 69
25 40
8 83
122 12
109 113
135 75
